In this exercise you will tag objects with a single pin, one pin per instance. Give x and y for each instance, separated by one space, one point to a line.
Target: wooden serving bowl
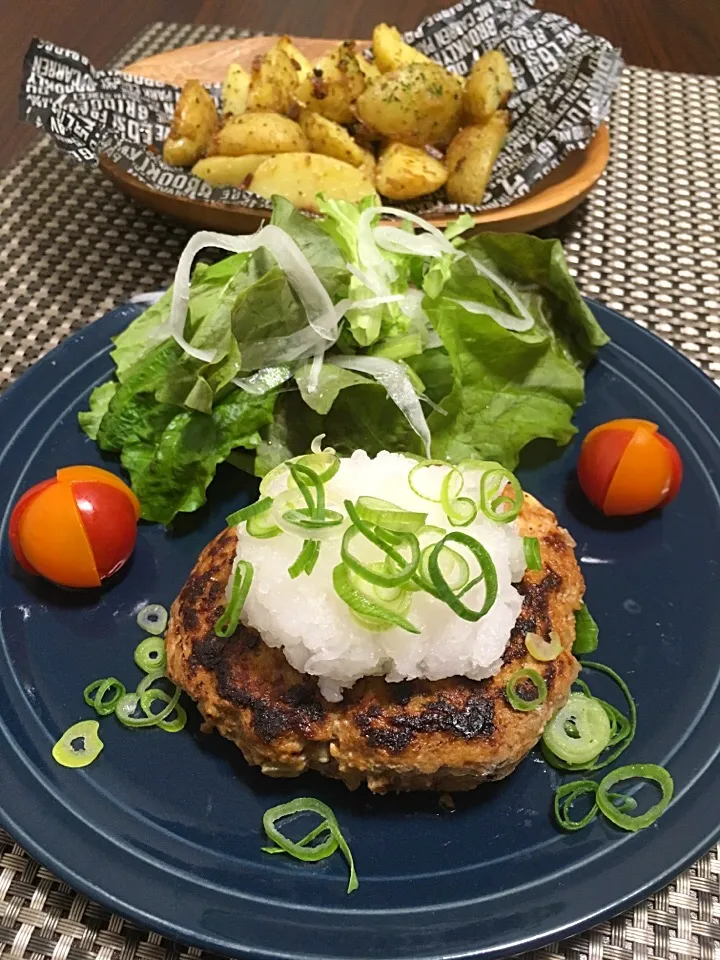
556 195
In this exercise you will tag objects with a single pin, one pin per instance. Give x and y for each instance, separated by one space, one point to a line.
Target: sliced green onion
325 464
533 560
568 793
263 526
162 717
79 745
128 706
460 511
153 618
385 575
305 478
579 731
442 587
586 632
515 700
499 506
542 649
389 515
454 567
308 838
306 559
396 600
252 510
422 489
305 520
363 606
645 771
242 581
303 850
150 654
94 695
385 540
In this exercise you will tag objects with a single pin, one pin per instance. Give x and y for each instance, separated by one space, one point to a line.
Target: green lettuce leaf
100 398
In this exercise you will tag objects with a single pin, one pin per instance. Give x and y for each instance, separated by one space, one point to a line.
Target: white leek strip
399 388
277 350
396 240
506 320
263 380
509 293
314 297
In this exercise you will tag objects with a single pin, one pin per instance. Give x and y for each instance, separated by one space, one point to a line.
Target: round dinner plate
166 829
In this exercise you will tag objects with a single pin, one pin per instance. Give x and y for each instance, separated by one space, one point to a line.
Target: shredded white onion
506 320
147 298
263 380
400 241
319 309
278 350
370 282
399 388
509 293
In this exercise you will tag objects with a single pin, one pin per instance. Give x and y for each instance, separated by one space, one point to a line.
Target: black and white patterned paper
563 76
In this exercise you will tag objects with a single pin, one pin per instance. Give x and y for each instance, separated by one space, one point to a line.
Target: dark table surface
679 35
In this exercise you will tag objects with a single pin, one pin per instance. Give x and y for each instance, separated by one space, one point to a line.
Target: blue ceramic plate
166 829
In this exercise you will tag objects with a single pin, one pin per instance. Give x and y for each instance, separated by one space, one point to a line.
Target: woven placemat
645 243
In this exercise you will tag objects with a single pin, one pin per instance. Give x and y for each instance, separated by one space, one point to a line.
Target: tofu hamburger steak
414 691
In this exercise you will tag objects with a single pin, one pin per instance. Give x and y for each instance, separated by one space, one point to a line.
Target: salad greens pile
249 363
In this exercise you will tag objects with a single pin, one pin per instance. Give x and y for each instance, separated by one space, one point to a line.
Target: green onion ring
568 793
94 695
362 605
592 724
252 510
310 460
161 718
645 771
487 567
423 465
456 576
302 851
321 828
301 475
517 702
153 618
150 654
305 560
262 526
242 581
67 755
492 501
306 520
586 632
533 559
143 699
460 511
388 515
381 577
541 649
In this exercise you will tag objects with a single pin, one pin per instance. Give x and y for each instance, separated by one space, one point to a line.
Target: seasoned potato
257 133
273 82
488 87
334 85
301 176
390 50
368 68
229 171
193 123
235 89
298 59
369 165
327 137
417 104
404 172
471 157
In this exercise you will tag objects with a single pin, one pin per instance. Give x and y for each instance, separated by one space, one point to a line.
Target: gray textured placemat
644 243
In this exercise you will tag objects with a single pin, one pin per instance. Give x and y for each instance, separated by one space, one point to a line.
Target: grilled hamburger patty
417 735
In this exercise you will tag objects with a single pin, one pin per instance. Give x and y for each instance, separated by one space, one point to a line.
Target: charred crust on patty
394 732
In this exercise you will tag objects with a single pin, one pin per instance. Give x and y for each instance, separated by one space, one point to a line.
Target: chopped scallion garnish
242 580
95 693
533 559
488 575
153 618
252 510
586 632
520 703
79 745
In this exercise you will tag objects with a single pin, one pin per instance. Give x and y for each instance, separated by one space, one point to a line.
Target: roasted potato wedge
334 85
471 157
417 104
301 176
390 50
368 68
257 133
193 124
229 171
404 172
298 59
273 82
329 138
488 87
369 165
235 90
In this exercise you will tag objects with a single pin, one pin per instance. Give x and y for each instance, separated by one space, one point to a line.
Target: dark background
677 35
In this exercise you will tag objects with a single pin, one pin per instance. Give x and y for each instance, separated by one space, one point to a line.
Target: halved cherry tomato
77 528
627 467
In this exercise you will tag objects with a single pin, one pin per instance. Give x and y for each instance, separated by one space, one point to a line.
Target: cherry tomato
626 467
77 528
